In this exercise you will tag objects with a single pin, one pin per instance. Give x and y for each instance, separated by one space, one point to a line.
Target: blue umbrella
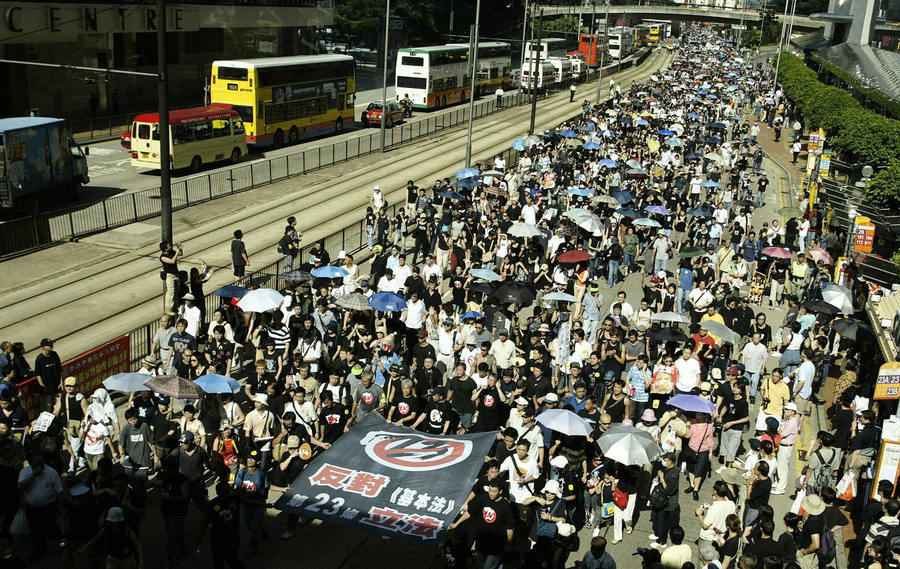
518 144
231 291
642 122
609 163
622 196
692 157
628 212
674 141
468 173
591 145
568 133
702 211
666 132
473 314
718 126
329 272
590 126
692 403
713 140
451 195
387 302
693 115
127 382
710 184
485 274
581 192
657 210
647 222
215 383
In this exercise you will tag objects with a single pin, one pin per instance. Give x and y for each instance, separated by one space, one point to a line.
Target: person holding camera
168 259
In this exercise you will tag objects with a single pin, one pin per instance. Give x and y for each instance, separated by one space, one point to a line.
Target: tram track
129 279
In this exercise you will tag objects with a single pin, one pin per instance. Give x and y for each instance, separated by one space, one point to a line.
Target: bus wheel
339 125
294 135
196 163
235 155
278 141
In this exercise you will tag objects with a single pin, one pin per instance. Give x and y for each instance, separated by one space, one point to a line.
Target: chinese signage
38 22
825 165
391 479
863 234
887 386
93 366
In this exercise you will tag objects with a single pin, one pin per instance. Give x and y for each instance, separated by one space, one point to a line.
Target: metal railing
27 233
24 234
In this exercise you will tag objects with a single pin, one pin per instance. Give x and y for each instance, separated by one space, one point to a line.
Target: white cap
521 401
552 487
559 461
552 398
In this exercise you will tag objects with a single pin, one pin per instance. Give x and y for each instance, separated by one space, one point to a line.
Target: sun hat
552 487
261 398
812 505
648 416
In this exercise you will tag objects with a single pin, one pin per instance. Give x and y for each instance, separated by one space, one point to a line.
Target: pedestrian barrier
24 234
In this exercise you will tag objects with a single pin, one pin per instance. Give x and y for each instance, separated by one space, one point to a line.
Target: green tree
884 188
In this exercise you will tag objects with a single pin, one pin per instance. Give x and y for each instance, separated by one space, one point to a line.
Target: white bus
621 42
432 76
550 47
563 67
544 78
494 66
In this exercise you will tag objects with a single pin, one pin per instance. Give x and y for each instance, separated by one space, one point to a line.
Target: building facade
123 35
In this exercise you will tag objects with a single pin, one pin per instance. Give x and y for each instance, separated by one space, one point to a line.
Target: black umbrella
849 328
822 307
519 294
297 277
483 287
665 335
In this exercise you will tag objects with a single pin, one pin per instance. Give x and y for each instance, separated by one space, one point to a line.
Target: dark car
372 115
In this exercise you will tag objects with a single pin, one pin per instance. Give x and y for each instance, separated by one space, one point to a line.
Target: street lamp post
473 55
384 76
524 30
605 43
165 163
536 58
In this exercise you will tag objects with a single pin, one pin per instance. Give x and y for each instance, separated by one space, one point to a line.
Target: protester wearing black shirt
492 522
225 528
332 419
438 417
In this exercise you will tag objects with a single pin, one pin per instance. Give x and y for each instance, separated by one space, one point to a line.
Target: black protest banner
390 479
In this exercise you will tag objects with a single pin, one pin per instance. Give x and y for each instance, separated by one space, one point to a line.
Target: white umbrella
590 222
576 213
261 300
838 296
608 200
565 422
721 331
525 230
629 446
558 297
672 317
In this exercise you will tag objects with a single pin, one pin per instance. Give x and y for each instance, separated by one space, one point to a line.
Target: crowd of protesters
517 307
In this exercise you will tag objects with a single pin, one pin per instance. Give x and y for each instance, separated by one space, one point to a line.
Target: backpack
827 547
823 476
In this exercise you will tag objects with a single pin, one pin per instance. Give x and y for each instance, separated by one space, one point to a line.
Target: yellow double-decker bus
284 99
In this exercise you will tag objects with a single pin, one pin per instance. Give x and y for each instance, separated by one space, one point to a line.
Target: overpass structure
682 13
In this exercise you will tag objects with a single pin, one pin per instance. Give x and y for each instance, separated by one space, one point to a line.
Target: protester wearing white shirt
503 350
754 356
688 372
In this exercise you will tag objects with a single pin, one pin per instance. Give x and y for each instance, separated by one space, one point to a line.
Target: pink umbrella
820 255
777 253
